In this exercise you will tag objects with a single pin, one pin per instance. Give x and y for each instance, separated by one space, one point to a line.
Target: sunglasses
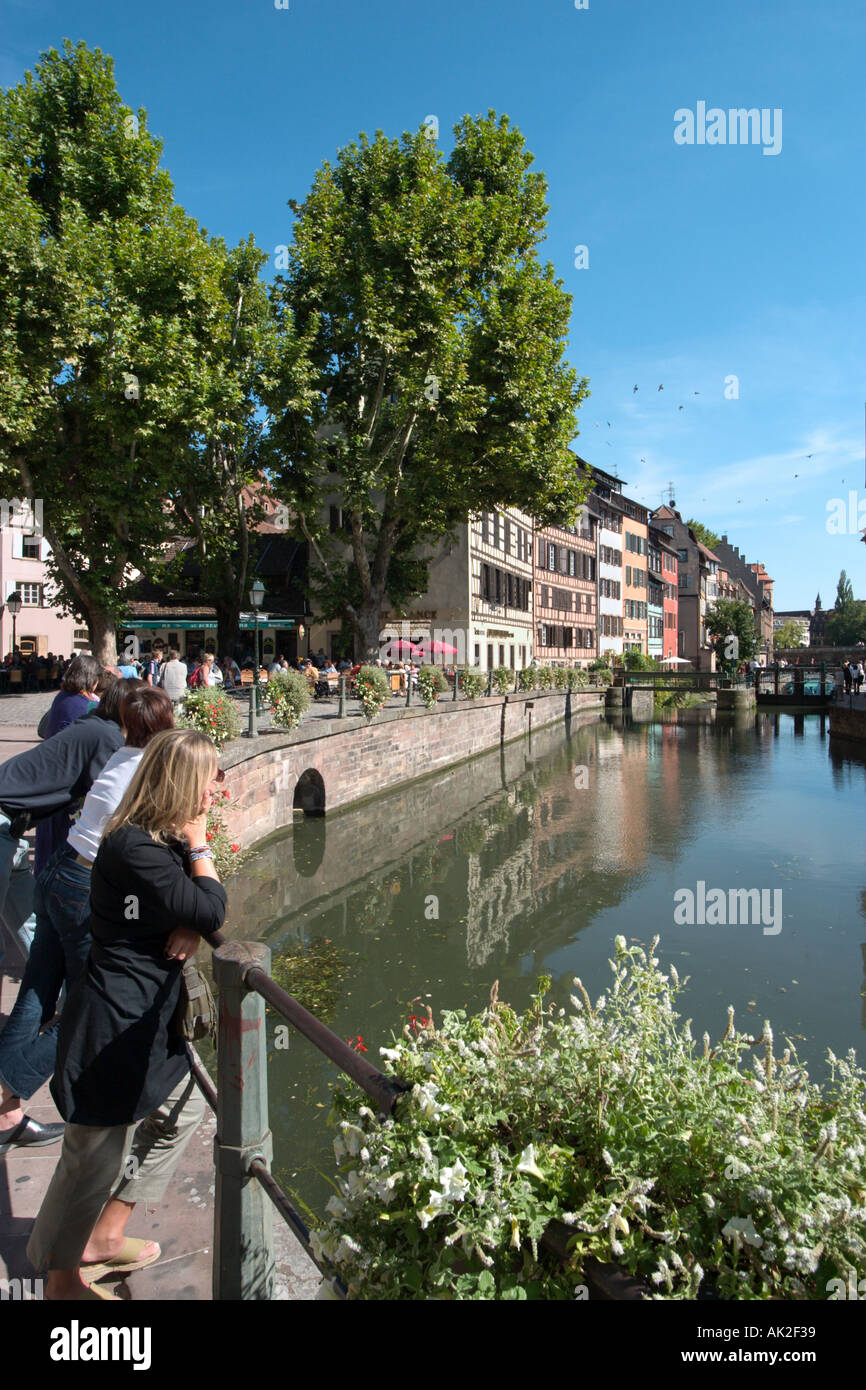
219 776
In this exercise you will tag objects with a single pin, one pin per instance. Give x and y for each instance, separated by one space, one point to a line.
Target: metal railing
244 1266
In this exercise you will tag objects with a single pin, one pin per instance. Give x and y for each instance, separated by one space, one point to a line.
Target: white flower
425 1098
365 1155
607 1158
708 1201
391 1054
353 1137
424 1150
528 1164
339 1150
346 1248
744 1228
335 1207
453 1183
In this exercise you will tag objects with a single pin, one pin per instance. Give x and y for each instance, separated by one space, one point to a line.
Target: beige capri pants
96 1165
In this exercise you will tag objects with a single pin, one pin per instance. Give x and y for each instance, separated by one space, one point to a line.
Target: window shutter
17 544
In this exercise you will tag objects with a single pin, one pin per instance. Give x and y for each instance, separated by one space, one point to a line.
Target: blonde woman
154 894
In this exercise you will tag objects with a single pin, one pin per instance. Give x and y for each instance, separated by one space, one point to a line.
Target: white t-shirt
215 677
102 801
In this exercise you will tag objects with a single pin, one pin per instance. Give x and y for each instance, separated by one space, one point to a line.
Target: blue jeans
16 891
61 945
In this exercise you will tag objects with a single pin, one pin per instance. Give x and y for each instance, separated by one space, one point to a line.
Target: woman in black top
154 894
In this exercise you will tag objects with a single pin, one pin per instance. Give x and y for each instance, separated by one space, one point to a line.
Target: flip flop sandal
126 1261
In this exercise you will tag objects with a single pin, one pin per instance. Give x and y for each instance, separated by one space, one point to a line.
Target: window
485 528
572 563
551 557
628 575
31 548
542 635
80 637
501 653
477 654
495 541
490 656
684 555
31 594
685 581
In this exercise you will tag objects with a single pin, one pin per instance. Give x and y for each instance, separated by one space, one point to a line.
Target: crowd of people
124 889
34 671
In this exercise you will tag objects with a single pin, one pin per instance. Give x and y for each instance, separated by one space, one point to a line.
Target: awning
170 624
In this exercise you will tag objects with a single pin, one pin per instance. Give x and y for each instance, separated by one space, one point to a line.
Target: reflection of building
497 894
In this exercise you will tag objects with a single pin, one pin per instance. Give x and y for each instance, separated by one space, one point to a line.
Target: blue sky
706 261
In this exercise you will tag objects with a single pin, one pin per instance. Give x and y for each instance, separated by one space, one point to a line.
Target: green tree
730 624
844 592
787 636
704 534
112 301
436 336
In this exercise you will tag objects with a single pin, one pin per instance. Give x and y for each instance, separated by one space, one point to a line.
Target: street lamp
257 598
13 603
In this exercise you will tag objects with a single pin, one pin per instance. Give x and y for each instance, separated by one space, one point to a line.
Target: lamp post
13 603
257 597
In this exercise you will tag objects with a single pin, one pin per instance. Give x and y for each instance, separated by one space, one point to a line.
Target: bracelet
196 854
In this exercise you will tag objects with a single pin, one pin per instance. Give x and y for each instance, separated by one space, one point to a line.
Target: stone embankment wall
849 720
351 759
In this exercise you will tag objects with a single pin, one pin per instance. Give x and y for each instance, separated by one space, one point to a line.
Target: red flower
209 835
235 848
226 795
357 1043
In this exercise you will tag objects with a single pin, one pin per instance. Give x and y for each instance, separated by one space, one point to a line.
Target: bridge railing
244 1266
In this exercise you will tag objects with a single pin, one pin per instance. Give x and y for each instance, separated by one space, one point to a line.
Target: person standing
152 668
62 907
174 676
122 1081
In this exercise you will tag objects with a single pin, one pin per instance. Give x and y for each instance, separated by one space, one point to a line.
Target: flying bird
796 475
680 407
661 388
608 423
633 389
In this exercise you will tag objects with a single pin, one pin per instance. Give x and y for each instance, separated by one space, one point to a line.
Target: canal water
532 859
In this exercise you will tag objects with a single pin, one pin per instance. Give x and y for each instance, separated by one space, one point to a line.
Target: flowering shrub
288 694
503 680
472 682
431 683
578 679
526 678
602 676
544 677
373 689
560 678
212 712
698 1167
227 855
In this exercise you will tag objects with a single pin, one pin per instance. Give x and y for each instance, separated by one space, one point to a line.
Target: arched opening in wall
310 793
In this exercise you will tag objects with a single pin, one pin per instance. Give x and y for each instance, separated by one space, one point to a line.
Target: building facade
566 592
41 626
663 582
635 577
608 499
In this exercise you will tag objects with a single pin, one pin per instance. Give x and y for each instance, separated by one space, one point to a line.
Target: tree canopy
437 386
730 624
704 534
114 378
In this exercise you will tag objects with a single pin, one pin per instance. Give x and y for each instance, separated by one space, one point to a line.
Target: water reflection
534 857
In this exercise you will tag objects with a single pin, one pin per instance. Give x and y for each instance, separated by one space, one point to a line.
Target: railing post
243 1247
408 688
490 682
341 711
456 683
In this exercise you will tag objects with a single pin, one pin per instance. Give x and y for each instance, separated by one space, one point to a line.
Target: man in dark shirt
50 777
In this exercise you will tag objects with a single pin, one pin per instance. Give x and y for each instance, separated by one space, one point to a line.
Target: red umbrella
437 648
400 647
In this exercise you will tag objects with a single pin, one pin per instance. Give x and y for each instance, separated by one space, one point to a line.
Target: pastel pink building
40 626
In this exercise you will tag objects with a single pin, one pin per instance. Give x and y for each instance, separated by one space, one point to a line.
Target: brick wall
357 760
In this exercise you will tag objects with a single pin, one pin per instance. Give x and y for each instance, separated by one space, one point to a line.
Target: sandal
126 1261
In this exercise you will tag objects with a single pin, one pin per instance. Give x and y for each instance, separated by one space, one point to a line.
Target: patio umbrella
436 648
399 648
678 660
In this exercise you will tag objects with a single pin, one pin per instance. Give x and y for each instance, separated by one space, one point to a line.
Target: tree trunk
228 612
103 636
370 625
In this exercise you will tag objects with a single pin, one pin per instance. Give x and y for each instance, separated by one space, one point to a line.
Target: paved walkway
182 1224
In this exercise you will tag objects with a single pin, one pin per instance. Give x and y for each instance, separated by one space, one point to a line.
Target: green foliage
503 680
437 384
212 712
431 683
560 677
639 661
704 534
732 618
472 682
846 624
526 678
602 675
115 336
288 694
373 690
601 663
694 1166
311 972
787 636
227 855
578 679
544 678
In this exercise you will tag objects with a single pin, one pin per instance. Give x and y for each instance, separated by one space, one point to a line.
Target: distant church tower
817 625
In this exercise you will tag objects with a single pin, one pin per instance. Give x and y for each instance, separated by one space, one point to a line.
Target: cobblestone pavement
25 710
